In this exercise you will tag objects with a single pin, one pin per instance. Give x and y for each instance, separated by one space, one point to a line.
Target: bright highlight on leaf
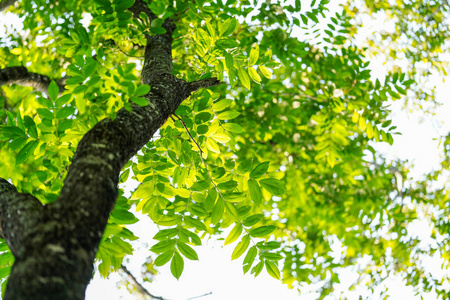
244 78
241 247
254 54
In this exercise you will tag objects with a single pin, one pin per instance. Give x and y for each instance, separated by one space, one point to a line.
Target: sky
215 273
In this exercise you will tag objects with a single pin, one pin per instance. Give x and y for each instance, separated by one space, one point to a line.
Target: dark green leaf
26 151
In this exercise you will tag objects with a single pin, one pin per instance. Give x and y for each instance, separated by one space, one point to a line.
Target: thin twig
201 156
139 286
210 293
190 136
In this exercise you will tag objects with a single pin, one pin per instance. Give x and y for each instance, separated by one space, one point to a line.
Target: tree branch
61 239
5 4
20 215
203 83
21 76
140 287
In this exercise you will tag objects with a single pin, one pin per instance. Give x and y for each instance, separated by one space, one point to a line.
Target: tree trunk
55 245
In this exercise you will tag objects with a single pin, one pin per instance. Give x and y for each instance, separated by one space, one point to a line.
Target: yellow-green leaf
254 54
241 247
272 269
234 234
243 77
228 115
265 71
254 75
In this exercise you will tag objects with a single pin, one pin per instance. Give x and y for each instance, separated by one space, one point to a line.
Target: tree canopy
259 119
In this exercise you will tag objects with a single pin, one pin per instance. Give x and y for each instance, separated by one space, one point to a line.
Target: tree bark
55 245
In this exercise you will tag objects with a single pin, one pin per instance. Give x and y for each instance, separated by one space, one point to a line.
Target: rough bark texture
5 4
55 245
21 76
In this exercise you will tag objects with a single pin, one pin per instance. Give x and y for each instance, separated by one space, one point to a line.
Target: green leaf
249 259
234 197
158 30
142 90
122 216
187 251
53 90
202 117
272 269
259 170
233 127
229 61
169 220
245 166
271 256
241 247
255 192
62 100
400 90
31 126
177 265
166 233
12 131
254 55
254 75
273 186
229 185
222 104
64 125
252 220
163 258
227 43
163 246
256 270
210 200
265 71
227 27
124 4
26 151
45 102
262 231
243 77
228 115
234 234
139 101
90 68
233 78
218 211
64 112
6 258
272 245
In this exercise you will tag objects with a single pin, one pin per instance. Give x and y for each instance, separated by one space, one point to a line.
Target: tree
224 118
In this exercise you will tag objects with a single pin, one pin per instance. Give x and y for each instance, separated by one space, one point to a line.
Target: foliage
281 153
